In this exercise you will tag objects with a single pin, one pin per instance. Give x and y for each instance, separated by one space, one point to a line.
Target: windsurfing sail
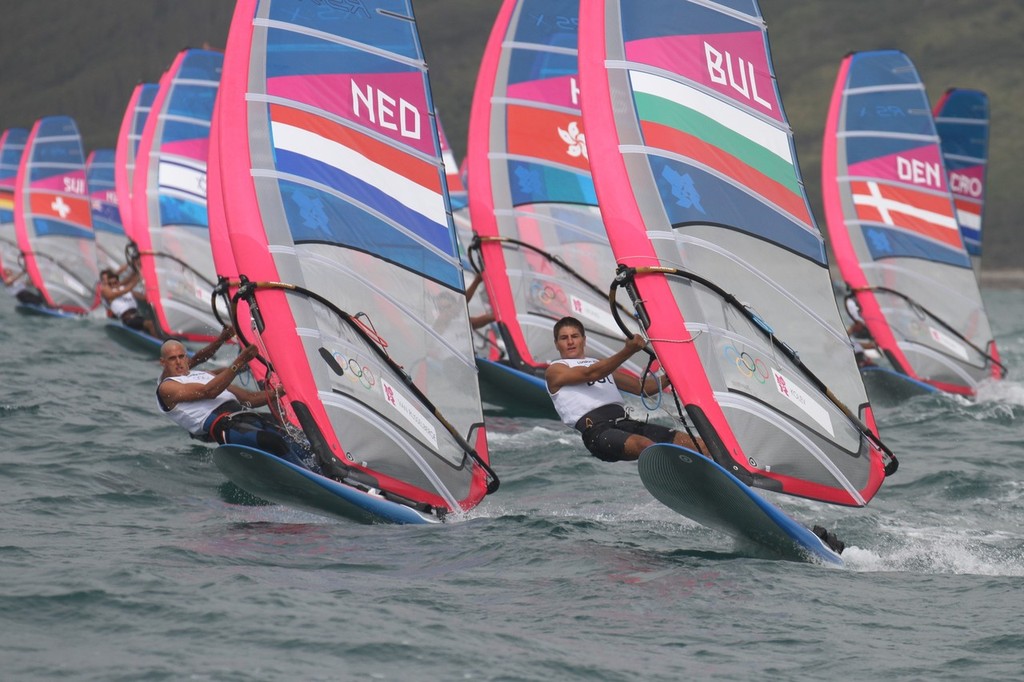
169 216
543 246
485 340
12 144
339 221
52 217
893 228
106 218
962 121
698 182
128 137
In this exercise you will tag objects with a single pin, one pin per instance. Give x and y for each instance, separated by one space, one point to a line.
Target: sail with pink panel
52 217
128 137
341 229
543 248
12 145
700 190
894 230
106 218
169 216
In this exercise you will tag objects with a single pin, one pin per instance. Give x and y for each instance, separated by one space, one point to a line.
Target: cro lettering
386 112
918 172
965 185
734 72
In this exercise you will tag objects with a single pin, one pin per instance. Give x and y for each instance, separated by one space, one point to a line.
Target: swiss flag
67 209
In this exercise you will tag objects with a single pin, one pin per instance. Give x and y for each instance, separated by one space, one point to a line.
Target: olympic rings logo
547 294
746 364
362 375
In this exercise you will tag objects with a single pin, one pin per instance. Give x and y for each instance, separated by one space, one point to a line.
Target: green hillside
83 58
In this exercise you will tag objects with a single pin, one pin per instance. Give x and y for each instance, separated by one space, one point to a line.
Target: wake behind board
699 489
276 480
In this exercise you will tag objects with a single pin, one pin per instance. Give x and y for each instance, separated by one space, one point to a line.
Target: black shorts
133 320
606 429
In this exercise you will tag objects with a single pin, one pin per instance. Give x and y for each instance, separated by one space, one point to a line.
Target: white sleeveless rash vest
573 401
192 415
122 304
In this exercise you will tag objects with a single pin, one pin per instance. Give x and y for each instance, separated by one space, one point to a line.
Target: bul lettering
733 72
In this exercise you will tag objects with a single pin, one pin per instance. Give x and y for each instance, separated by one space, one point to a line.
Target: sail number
918 172
385 111
733 72
965 185
74 185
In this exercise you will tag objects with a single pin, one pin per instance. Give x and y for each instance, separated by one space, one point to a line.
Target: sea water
125 554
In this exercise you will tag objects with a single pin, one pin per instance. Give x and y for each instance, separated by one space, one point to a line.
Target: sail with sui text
53 220
339 221
894 230
700 191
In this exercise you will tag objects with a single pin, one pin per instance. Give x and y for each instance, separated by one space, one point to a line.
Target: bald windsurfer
212 409
585 393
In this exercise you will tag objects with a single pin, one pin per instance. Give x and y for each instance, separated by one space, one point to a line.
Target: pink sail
701 194
169 215
128 137
53 220
543 246
893 228
339 216
12 145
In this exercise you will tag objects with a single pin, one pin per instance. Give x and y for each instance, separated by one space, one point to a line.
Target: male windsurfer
585 392
211 409
18 286
859 334
122 301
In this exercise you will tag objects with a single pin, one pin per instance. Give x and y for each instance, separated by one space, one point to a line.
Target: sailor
122 301
585 392
18 287
859 334
211 409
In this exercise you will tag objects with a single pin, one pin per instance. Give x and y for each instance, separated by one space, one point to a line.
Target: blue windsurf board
276 480
698 488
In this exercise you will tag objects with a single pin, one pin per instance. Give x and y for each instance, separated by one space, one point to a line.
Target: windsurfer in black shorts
122 301
585 392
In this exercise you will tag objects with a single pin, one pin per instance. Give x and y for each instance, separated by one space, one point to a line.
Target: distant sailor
585 392
211 409
18 287
122 301
859 334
